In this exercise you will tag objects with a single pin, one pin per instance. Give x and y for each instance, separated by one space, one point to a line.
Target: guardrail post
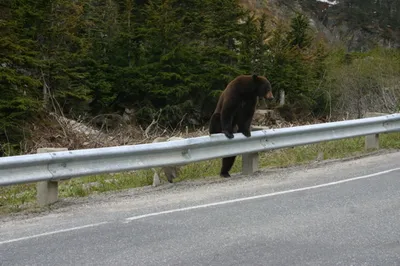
249 163
47 191
250 160
372 141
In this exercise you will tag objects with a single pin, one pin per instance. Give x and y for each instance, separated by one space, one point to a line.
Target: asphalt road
344 213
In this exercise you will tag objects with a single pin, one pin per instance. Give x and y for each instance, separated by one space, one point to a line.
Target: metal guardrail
77 163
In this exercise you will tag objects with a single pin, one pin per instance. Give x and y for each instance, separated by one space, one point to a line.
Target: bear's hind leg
227 164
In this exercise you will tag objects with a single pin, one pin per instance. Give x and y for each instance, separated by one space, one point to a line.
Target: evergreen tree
20 83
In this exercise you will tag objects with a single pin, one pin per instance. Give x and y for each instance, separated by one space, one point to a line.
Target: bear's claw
228 135
225 175
247 133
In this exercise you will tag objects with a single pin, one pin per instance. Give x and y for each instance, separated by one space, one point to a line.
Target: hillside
358 24
137 69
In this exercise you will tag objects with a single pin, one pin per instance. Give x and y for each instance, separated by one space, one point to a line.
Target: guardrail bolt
186 154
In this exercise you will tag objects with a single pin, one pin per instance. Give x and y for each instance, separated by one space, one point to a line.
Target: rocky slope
358 24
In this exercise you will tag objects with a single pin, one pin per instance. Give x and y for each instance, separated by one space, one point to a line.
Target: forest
170 59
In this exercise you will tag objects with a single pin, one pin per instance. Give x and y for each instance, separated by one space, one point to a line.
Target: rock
265 117
171 172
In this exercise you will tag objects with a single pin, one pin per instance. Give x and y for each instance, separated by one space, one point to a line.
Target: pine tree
20 83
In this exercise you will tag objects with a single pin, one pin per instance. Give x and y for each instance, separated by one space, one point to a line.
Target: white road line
260 196
204 205
51 233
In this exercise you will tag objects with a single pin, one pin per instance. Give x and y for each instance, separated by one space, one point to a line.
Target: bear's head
263 87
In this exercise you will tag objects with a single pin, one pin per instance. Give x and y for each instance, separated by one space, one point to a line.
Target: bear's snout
269 95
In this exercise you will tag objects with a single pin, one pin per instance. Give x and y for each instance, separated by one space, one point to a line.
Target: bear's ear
255 77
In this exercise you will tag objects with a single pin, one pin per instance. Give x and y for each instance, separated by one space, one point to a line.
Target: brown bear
235 108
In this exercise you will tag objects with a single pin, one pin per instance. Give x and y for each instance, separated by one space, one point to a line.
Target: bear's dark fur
236 107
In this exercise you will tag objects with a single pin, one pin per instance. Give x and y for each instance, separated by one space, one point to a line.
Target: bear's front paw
228 134
247 133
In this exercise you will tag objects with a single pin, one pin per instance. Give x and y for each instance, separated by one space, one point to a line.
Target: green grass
22 197
330 149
